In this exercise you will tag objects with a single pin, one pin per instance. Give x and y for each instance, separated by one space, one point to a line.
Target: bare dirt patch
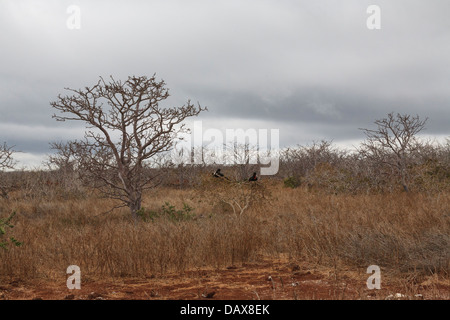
267 280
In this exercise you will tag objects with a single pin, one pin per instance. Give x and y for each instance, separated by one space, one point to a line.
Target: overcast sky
311 69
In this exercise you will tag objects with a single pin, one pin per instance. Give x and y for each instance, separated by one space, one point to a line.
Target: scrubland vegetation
60 223
385 203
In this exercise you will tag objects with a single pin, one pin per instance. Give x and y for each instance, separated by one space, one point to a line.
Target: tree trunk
403 174
135 206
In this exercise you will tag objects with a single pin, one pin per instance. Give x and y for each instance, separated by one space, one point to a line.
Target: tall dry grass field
402 233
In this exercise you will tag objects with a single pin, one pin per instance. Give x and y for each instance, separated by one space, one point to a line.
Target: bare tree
63 160
392 143
62 171
127 128
244 158
6 157
300 162
6 162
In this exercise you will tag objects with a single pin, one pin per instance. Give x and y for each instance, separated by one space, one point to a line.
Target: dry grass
405 234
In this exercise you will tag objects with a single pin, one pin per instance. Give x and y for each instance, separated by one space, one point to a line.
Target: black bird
253 177
218 174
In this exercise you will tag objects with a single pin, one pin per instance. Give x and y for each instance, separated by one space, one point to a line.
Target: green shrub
292 182
6 223
169 212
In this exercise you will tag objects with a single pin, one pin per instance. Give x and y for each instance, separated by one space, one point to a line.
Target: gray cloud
311 68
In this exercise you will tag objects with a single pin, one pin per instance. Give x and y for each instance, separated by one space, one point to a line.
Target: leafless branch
127 129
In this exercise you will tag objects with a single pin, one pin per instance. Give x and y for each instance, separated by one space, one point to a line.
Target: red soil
271 280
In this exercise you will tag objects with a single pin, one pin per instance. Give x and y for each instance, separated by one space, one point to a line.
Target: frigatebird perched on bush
253 177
